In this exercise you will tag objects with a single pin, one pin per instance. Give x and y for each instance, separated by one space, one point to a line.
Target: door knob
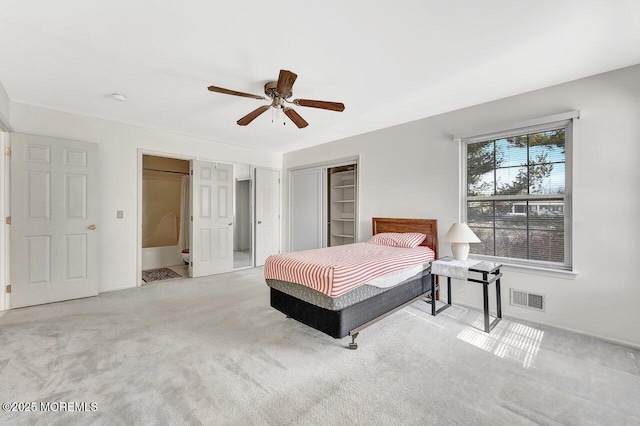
92 227
259 222
230 223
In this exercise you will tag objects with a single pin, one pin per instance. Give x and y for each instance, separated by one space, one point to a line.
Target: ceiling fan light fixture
279 92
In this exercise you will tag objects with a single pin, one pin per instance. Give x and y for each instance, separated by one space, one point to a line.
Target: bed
337 307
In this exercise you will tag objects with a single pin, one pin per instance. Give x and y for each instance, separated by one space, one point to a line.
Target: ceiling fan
279 93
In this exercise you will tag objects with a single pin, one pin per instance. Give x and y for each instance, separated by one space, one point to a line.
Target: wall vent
527 300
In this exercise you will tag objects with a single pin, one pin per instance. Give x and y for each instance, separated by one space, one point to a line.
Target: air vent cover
527 300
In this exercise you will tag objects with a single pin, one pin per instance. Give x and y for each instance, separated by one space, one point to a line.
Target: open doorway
242 238
165 218
242 230
167 198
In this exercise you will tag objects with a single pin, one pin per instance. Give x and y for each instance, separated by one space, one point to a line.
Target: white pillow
397 239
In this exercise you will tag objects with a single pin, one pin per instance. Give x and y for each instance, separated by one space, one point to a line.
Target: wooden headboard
429 227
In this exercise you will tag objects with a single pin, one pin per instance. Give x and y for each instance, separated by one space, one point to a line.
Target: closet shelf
342 196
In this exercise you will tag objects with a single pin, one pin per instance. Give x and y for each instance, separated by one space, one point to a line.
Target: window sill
535 270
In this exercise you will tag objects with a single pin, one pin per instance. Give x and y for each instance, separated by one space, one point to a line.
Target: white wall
5 107
412 170
119 144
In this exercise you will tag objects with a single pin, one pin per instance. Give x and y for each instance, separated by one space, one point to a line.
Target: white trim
5 232
462 187
537 125
5 194
568 203
141 153
482 133
252 221
529 266
323 167
325 239
462 180
345 161
539 270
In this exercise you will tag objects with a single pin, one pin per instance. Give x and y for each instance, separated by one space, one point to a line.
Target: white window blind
517 195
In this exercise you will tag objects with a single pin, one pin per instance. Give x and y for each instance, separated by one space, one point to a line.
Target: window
517 194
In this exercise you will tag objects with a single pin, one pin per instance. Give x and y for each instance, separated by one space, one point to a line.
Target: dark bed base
352 319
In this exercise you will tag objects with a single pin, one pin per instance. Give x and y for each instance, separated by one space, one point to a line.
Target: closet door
212 230
306 207
267 214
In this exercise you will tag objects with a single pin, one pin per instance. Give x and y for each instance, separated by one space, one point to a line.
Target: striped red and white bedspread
336 270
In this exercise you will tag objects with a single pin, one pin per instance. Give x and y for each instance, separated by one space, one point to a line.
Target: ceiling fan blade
332 106
252 115
295 117
285 83
234 93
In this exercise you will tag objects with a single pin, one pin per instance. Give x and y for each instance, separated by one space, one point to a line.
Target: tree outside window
516 188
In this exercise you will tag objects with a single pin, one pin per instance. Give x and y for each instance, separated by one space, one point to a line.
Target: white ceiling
390 62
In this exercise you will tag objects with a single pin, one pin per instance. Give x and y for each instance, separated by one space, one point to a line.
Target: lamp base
460 250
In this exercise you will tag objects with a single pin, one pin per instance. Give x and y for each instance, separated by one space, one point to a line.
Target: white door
54 212
306 206
267 214
212 211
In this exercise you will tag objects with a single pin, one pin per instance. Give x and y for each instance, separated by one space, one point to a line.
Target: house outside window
517 194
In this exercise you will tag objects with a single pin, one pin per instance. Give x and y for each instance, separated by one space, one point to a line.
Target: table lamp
460 235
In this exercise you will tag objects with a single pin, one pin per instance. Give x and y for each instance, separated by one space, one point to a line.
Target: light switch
119 214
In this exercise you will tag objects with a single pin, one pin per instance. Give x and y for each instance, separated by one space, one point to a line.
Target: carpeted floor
212 351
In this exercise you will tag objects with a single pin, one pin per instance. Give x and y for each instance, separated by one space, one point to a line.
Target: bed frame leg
353 344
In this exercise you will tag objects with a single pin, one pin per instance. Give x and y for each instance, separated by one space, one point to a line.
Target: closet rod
166 171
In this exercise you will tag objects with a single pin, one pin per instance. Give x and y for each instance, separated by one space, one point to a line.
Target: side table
490 273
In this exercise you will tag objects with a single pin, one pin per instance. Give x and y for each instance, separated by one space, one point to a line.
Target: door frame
252 213
5 207
323 166
142 152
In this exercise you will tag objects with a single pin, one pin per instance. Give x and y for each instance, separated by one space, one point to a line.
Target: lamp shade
460 233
